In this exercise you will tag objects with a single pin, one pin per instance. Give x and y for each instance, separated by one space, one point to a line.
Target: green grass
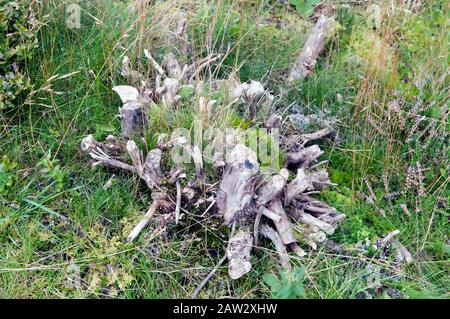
54 218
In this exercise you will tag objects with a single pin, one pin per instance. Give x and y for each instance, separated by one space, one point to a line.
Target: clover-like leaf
305 7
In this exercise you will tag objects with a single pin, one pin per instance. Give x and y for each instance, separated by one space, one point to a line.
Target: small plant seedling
6 174
290 286
52 171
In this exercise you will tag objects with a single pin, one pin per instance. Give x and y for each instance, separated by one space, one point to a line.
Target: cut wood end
126 93
131 146
88 143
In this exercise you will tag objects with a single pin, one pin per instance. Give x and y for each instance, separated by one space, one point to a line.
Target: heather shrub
18 28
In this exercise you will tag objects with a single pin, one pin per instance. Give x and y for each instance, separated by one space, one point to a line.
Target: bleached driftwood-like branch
144 221
271 234
304 157
306 61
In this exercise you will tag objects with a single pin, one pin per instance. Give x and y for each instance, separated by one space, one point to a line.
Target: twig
111 162
208 277
153 62
178 203
386 239
144 221
213 271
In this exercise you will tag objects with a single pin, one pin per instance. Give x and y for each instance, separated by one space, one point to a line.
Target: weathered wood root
144 221
279 245
246 200
132 119
243 202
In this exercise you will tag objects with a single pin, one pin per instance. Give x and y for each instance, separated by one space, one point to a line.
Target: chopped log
305 63
271 234
243 197
131 113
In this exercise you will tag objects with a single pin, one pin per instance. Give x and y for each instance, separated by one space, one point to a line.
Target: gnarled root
271 234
